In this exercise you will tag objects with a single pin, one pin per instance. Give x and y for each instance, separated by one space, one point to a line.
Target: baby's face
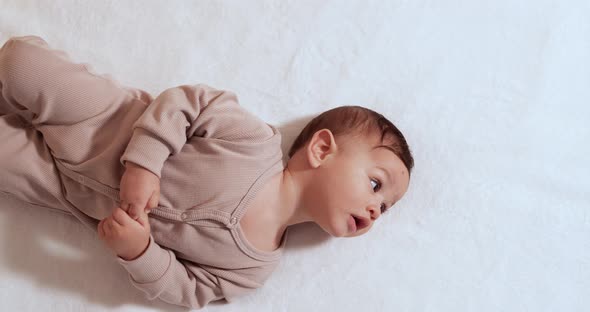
356 186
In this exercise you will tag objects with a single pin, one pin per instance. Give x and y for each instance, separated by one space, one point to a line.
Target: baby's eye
378 187
377 184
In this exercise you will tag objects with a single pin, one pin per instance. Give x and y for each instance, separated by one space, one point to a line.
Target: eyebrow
385 146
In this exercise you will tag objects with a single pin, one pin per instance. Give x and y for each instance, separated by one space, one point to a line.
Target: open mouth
352 224
357 223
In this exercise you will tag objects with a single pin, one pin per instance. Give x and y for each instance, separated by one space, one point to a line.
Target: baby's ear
321 145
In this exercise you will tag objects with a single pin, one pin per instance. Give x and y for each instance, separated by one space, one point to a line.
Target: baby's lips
351 224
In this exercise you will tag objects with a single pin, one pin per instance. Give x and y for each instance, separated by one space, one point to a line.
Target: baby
189 189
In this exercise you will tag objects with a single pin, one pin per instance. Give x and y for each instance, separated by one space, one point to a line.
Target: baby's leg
27 168
77 111
71 116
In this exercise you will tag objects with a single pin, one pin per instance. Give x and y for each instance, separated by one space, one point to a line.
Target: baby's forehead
386 157
374 147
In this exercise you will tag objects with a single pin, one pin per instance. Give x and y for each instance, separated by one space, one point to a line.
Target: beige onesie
66 133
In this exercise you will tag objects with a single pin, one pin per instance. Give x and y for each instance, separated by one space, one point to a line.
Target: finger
111 219
121 217
115 227
135 210
106 227
100 230
154 200
143 219
124 205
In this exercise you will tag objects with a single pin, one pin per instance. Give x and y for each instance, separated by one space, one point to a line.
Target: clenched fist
128 238
140 190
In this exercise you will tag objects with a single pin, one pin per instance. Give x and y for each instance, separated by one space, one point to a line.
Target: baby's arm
165 126
154 270
159 274
185 111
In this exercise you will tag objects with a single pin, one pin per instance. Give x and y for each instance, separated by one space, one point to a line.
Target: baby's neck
276 205
261 221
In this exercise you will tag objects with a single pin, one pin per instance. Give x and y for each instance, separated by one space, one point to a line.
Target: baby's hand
128 238
140 190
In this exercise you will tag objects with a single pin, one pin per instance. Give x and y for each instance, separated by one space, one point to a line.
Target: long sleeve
181 112
160 275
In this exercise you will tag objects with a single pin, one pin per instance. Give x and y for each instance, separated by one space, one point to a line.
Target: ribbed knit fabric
67 132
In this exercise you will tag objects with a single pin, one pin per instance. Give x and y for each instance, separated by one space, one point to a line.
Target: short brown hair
356 120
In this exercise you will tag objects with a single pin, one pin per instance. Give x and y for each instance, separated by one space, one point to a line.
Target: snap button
233 221
183 216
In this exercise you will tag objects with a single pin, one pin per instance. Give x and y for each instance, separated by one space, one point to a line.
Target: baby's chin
344 232
336 230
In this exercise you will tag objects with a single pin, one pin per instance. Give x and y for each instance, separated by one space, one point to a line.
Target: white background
493 97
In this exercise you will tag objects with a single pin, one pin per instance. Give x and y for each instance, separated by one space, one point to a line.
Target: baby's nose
374 211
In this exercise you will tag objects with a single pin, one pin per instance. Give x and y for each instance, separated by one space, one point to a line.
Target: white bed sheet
493 97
